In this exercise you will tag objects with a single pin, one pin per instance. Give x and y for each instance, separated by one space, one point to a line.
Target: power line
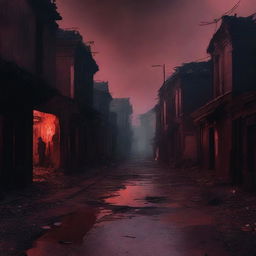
215 21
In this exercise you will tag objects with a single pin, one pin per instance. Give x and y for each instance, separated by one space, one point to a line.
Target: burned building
102 99
227 122
181 94
108 126
46 115
123 110
27 70
75 68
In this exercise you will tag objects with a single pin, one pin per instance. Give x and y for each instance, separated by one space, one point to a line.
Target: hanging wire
215 21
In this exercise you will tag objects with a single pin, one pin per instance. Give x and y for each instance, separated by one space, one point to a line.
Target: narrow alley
127 128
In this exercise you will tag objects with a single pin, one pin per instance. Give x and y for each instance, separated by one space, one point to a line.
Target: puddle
102 214
137 218
69 234
134 194
156 199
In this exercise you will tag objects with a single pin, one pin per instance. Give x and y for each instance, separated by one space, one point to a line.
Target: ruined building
107 129
27 67
74 80
64 122
227 123
123 110
181 94
47 118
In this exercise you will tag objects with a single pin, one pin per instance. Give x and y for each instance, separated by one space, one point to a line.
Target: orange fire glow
46 126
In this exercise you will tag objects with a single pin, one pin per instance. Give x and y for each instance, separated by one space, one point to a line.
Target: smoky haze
133 35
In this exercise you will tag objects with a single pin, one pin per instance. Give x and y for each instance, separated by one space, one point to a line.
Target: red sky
133 35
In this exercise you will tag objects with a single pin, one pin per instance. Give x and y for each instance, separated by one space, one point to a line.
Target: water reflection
147 217
64 239
134 194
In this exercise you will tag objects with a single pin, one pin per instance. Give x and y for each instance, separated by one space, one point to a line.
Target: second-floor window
178 99
164 115
223 71
72 81
218 90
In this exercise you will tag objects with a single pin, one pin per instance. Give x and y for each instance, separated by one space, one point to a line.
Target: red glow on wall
46 127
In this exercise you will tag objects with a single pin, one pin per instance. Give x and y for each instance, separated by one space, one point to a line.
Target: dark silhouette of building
102 99
227 123
27 69
108 127
123 110
75 68
46 91
185 91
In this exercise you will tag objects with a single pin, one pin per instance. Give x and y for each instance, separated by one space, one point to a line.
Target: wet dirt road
138 209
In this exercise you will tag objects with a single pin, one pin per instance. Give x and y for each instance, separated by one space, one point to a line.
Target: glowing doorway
46 142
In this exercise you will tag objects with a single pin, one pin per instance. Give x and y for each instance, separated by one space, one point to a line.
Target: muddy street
138 209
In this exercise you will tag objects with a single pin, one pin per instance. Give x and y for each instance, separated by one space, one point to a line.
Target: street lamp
161 66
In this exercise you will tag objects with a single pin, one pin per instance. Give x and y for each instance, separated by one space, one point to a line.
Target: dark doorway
236 153
211 148
251 154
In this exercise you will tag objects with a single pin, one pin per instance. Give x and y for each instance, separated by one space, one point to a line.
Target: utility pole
164 70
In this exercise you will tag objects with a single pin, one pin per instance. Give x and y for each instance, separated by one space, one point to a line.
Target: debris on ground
46 227
130 236
248 228
65 242
57 224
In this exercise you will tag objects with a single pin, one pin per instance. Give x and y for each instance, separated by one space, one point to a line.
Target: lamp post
164 70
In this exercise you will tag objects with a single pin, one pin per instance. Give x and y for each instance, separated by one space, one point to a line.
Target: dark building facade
123 110
75 68
185 91
46 104
226 124
27 70
102 99
107 139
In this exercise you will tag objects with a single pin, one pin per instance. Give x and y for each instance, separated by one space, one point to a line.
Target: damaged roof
241 30
74 40
188 69
46 9
69 35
